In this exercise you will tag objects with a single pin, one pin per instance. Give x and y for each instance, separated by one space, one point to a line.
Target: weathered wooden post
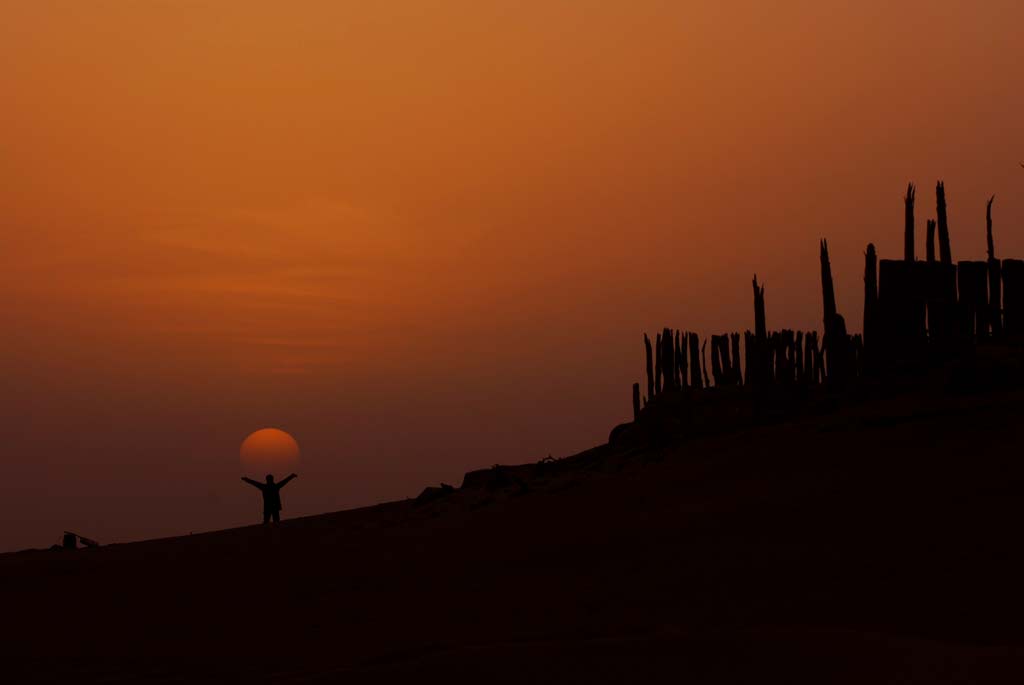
945 253
900 329
704 363
798 359
650 368
716 360
790 356
836 347
681 338
1013 296
995 280
737 373
819 360
695 379
792 370
636 402
748 359
857 344
828 295
680 382
908 224
759 368
810 344
940 297
929 245
870 295
668 359
988 228
657 365
972 281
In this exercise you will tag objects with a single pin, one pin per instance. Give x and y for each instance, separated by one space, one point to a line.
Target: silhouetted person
271 496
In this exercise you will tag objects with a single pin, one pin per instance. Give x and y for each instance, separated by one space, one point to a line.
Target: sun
269 450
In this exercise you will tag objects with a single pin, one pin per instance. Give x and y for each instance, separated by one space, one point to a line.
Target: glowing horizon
428 240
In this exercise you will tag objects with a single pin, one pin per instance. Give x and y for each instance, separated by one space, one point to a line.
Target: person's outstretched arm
285 481
250 481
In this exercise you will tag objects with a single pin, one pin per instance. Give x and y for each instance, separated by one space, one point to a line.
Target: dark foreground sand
878 543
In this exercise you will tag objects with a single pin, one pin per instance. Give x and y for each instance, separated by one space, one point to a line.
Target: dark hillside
870 538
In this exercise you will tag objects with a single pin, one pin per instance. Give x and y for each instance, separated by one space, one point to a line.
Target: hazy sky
425 237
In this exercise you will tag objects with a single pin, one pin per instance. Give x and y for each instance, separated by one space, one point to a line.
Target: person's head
270 478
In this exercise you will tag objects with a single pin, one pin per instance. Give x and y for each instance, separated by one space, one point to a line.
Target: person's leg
266 517
277 517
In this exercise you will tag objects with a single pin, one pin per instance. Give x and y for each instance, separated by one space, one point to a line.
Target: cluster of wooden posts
937 305
913 310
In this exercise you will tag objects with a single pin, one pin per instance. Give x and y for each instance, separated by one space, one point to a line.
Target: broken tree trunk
908 224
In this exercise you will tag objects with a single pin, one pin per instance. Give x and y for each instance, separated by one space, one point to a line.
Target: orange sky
426 237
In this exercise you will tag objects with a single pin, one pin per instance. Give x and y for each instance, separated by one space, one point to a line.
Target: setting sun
269 450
